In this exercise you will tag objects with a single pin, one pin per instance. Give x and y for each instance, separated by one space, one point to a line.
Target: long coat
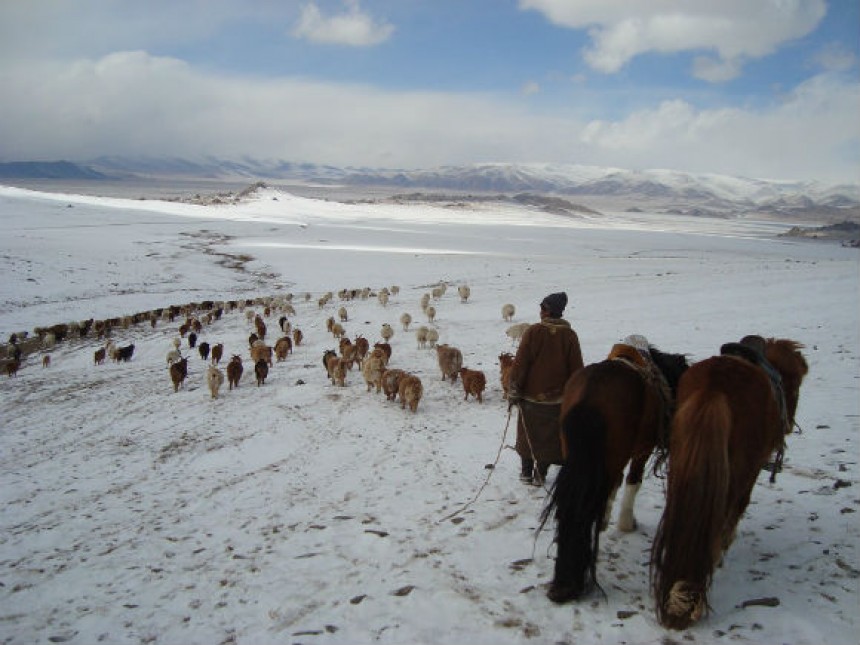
549 353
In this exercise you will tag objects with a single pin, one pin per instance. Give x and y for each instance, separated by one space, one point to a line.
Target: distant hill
602 188
47 170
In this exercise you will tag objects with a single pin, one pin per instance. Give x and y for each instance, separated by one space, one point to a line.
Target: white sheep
173 355
432 337
431 313
464 292
515 332
386 332
405 320
421 336
508 311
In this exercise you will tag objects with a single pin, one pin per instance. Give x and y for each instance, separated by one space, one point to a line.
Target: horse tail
689 540
578 500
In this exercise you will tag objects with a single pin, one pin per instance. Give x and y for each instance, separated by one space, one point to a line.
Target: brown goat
391 382
474 383
283 347
297 337
178 372
386 348
506 361
217 353
99 356
234 371
410 391
261 370
372 369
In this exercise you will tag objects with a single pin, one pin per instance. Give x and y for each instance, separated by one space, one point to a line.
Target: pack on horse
613 412
733 412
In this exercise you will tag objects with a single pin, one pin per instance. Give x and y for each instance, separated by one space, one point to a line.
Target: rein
490 474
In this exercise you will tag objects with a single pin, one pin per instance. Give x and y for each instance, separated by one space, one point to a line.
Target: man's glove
514 398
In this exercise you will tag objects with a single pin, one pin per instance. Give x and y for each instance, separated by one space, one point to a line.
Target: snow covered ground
303 512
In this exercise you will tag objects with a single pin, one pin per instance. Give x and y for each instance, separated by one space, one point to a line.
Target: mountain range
667 190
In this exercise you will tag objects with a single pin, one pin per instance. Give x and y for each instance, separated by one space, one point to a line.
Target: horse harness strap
652 375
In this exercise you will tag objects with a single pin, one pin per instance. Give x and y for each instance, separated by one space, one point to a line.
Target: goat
450 361
298 336
410 391
474 382
261 351
464 292
405 320
192 340
217 353
283 347
335 367
362 345
99 356
508 311
260 326
178 372
203 348
124 353
12 367
261 370
234 371
506 361
372 370
391 382
46 360
386 348
214 379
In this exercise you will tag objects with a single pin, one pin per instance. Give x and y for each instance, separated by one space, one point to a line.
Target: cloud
530 88
835 57
815 125
136 104
352 27
735 30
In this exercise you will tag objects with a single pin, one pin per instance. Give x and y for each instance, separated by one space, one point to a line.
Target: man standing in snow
548 354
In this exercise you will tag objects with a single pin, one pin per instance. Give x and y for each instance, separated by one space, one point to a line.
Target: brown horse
731 416
612 413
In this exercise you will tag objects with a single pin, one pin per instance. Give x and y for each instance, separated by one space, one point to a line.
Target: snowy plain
302 512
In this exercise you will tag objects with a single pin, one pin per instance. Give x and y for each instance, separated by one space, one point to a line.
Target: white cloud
835 57
733 29
352 27
132 103
813 133
530 88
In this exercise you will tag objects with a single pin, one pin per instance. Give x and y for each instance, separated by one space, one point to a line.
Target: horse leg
610 500
626 518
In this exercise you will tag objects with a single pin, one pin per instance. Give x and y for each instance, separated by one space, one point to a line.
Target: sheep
506 361
386 332
421 336
464 292
173 355
391 382
234 371
410 391
337 330
431 313
177 343
432 337
425 301
298 337
437 292
383 298
261 370
283 347
474 382
372 370
515 332
217 353
405 320
395 289
508 311
178 372
214 379
450 361
203 349
341 313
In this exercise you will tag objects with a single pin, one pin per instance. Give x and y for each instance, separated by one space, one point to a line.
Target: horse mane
672 367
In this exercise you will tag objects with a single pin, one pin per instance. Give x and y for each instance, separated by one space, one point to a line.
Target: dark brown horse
612 413
731 416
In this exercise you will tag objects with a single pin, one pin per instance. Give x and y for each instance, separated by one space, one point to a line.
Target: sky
303 512
766 88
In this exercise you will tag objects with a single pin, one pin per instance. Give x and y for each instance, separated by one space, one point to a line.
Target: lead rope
489 474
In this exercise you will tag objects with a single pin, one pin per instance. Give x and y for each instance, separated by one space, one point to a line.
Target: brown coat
548 355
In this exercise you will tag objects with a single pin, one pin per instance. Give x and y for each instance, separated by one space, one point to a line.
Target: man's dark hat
555 303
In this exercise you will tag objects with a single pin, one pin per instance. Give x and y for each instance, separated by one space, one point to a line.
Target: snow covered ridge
672 189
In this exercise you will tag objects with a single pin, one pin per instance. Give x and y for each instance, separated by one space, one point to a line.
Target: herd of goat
192 318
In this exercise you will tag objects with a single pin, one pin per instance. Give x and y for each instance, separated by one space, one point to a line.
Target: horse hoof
560 594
